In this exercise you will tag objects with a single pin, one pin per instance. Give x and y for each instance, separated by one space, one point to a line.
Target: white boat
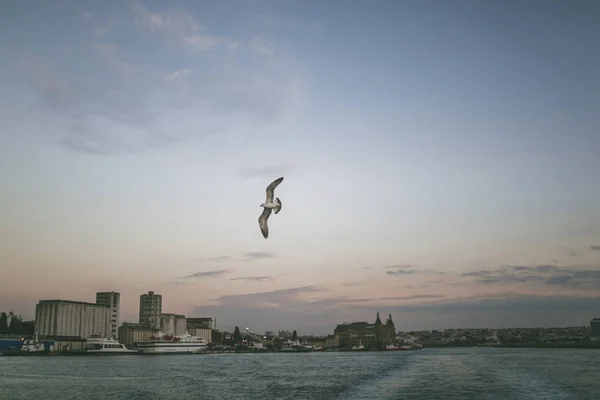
98 345
163 344
359 347
30 346
308 347
289 346
295 346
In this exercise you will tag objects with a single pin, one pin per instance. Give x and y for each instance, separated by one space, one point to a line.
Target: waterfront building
71 319
332 341
111 300
173 324
202 321
201 327
365 334
595 327
150 309
131 333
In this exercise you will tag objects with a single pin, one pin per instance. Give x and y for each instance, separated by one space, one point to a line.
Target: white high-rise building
111 300
150 309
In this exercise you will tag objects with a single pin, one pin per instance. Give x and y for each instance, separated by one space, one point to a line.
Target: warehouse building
72 319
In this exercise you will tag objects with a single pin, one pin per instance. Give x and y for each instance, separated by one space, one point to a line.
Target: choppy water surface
472 373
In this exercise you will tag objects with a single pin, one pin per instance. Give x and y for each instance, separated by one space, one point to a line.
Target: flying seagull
268 206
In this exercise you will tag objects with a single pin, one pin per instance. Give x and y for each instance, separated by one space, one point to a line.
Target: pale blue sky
439 138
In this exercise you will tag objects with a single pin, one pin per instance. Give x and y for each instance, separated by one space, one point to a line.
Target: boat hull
110 353
172 349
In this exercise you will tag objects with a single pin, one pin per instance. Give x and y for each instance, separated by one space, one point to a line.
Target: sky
440 160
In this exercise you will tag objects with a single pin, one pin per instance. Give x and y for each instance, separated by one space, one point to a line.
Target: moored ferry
98 345
163 344
295 347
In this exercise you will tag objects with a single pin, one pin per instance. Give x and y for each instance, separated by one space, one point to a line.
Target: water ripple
473 373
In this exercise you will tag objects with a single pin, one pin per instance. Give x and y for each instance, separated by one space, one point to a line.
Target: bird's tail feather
277 201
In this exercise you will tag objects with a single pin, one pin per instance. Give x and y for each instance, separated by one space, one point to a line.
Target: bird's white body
270 205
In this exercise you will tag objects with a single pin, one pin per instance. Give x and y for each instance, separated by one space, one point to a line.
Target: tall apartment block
112 301
150 309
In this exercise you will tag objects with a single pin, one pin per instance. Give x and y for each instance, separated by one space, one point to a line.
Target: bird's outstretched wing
262 222
277 201
271 189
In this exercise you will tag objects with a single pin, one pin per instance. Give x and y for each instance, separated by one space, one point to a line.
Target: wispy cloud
289 306
247 256
253 278
177 283
290 302
262 45
326 303
177 75
568 277
209 274
416 296
401 271
126 102
408 269
54 89
402 266
275 298
177 26
506 300
477 273
257 255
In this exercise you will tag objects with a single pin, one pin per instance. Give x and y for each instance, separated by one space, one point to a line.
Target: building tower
150 309
111 300
595 327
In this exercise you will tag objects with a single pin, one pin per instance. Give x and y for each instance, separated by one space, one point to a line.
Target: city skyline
439 160
102 302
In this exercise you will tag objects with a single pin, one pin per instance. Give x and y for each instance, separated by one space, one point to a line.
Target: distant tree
217 337
16 325
236 335
226 340
294 336
28 328
3 323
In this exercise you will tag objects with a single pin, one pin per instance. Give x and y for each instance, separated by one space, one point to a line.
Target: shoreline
593 345
135 353
588 346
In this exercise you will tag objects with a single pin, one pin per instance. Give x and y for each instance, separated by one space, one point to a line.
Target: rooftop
135 325
70 302
173 315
